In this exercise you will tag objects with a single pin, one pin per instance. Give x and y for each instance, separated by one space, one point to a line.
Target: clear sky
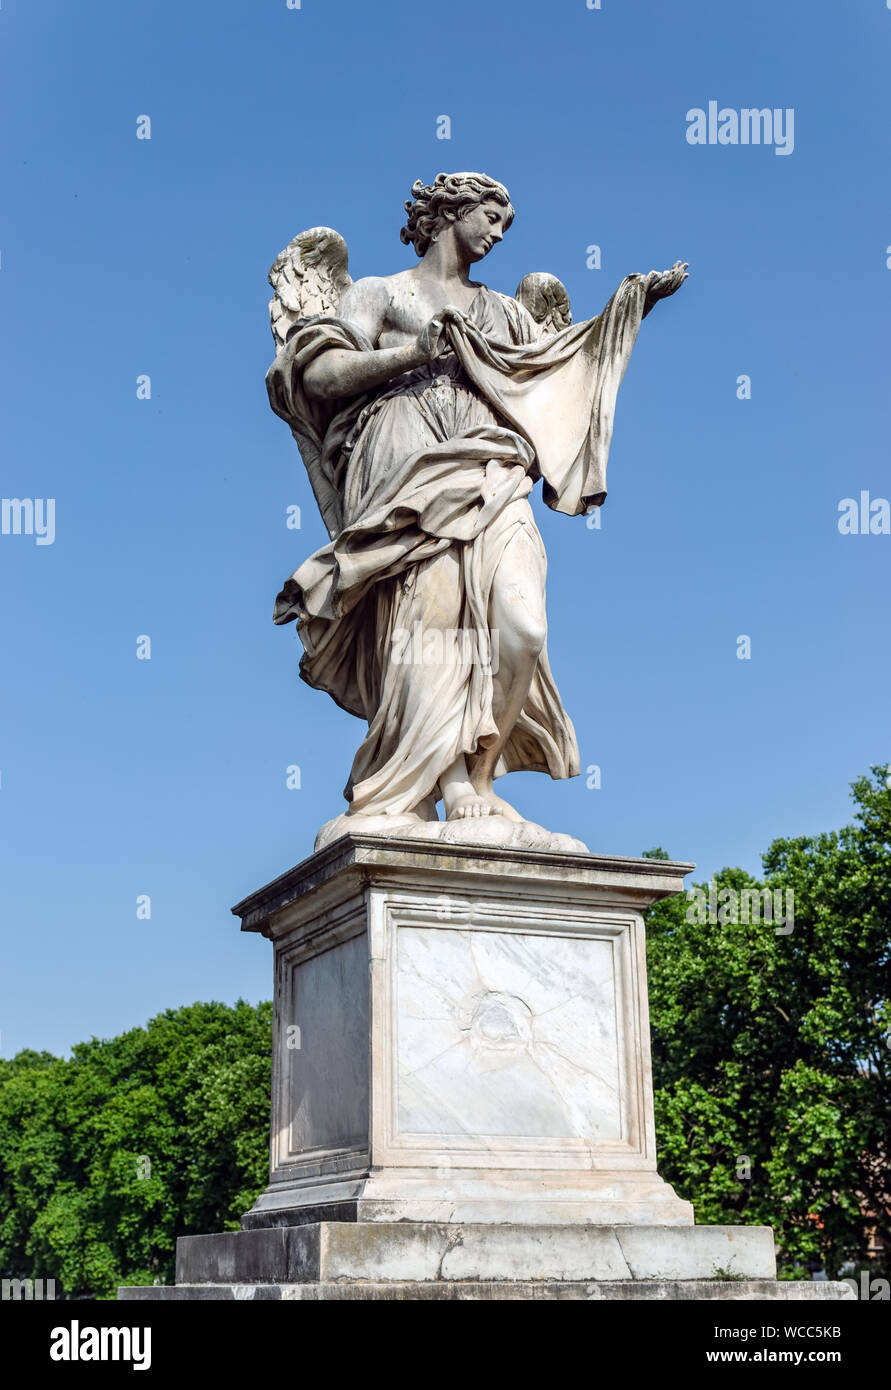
121 257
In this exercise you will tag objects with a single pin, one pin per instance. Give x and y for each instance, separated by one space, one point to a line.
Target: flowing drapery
422 485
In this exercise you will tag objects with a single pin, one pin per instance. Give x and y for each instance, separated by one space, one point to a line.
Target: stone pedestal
462 1098
461 1035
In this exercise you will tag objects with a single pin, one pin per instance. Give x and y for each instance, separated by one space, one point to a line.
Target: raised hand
662 283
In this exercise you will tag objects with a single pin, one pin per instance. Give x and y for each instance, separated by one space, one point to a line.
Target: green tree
105 1159
771 1047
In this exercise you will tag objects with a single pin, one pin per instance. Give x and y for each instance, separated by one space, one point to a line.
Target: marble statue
426 406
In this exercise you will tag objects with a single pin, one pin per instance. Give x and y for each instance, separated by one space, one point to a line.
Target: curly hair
450 196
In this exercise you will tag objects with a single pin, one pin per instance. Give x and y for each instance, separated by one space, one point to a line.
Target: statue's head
477 207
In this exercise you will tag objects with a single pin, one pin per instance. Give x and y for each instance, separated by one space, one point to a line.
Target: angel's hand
665 282
428 340
431 339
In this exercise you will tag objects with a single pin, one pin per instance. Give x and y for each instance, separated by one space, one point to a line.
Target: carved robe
424 482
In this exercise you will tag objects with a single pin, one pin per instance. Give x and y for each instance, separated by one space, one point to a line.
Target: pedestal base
445 1260
533 1198
754 1290
328 1252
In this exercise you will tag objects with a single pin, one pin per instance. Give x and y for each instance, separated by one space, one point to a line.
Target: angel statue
425 406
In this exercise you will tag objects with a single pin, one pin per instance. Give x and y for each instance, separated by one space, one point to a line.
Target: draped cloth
422 485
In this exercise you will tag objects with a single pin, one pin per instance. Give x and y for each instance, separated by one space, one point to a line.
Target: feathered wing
310 277
546 299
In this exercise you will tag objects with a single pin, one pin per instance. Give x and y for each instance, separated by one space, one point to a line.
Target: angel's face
479 230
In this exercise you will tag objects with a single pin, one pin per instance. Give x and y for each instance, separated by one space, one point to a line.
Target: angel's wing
309 277
546 299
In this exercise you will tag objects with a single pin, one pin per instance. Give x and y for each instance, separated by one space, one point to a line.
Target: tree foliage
106 1158
772 1049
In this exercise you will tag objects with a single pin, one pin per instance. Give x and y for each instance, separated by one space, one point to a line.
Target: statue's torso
413 300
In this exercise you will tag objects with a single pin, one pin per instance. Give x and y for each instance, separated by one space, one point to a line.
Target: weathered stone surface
534 1197
417 1251
287 900
486 830
751 1290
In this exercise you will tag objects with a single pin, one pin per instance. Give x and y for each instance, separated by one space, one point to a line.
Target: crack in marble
571 1116
592 1072
405 1073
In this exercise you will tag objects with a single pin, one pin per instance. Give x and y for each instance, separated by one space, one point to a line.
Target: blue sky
120 257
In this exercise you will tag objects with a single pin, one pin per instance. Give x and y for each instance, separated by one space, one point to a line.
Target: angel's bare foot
460 797
500 807
470 805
